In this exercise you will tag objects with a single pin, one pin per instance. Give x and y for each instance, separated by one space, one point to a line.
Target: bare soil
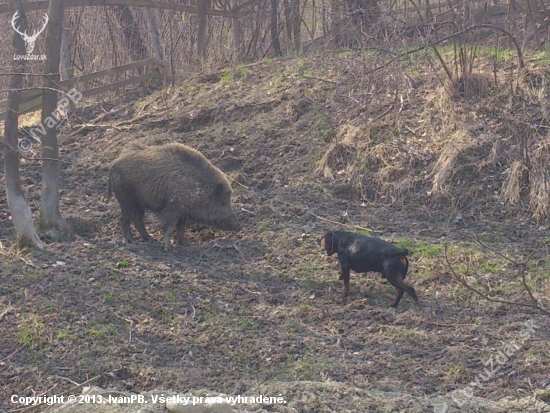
231 312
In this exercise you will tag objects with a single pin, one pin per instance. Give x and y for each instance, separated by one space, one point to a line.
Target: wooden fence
31 100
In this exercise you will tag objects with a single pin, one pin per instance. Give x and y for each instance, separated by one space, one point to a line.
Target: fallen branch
340 223
462 280
72 390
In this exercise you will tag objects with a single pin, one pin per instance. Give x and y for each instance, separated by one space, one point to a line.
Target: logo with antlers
29 40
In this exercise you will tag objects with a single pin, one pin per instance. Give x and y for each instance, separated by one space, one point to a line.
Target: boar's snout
231 224
228 223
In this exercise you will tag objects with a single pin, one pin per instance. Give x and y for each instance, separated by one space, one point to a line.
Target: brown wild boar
174 181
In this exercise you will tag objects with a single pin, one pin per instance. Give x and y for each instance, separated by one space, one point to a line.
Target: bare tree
351 18
202 11
363 13
19 208
65 65
296 25
237 36
158 46
50 218
287 12
132 35
293 24
275 28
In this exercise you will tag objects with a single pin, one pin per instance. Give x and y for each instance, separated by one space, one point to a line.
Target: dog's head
328 242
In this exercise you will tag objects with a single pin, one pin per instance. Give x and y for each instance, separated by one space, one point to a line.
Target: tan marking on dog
354 248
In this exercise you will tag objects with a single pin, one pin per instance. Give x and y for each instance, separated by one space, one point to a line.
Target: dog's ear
328 242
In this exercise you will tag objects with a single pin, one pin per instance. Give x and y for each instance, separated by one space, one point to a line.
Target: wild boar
174 181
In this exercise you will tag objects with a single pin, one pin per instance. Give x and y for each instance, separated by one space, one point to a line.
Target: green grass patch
422 249
308 367
227 77
65 334
456 374
108 297
30 330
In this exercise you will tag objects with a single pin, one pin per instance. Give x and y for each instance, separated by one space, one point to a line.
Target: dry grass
477 141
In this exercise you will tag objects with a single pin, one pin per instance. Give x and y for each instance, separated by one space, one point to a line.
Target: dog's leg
395 270
398 296
345 277
401 287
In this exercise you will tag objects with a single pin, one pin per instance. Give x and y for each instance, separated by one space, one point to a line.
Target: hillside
310 144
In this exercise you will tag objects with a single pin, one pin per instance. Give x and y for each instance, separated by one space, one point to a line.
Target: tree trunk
363 13
237 37
65 66
19 208
296 25
275 28
336 24
288 24
158 44
132 35
50 218
203 6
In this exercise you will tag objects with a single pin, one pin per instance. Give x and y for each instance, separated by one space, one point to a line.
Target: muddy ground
230 312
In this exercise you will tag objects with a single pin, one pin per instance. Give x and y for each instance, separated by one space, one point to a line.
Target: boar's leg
127 206
180 234
170 219
138 222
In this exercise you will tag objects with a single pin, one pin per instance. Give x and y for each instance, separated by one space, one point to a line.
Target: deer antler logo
29 40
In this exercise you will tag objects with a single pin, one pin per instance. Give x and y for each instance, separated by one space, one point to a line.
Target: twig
12 354
70 391
28 158
28 262
462 281
227 247
129 327
90 126
477 241
69 380
340 223
522 266
383 113
238 183
319 78
445 38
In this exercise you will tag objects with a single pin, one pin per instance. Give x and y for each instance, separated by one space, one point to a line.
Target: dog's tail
394 252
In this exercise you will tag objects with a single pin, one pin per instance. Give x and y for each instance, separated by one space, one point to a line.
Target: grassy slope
228 312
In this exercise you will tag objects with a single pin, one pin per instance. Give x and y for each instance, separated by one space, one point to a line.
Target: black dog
362 254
